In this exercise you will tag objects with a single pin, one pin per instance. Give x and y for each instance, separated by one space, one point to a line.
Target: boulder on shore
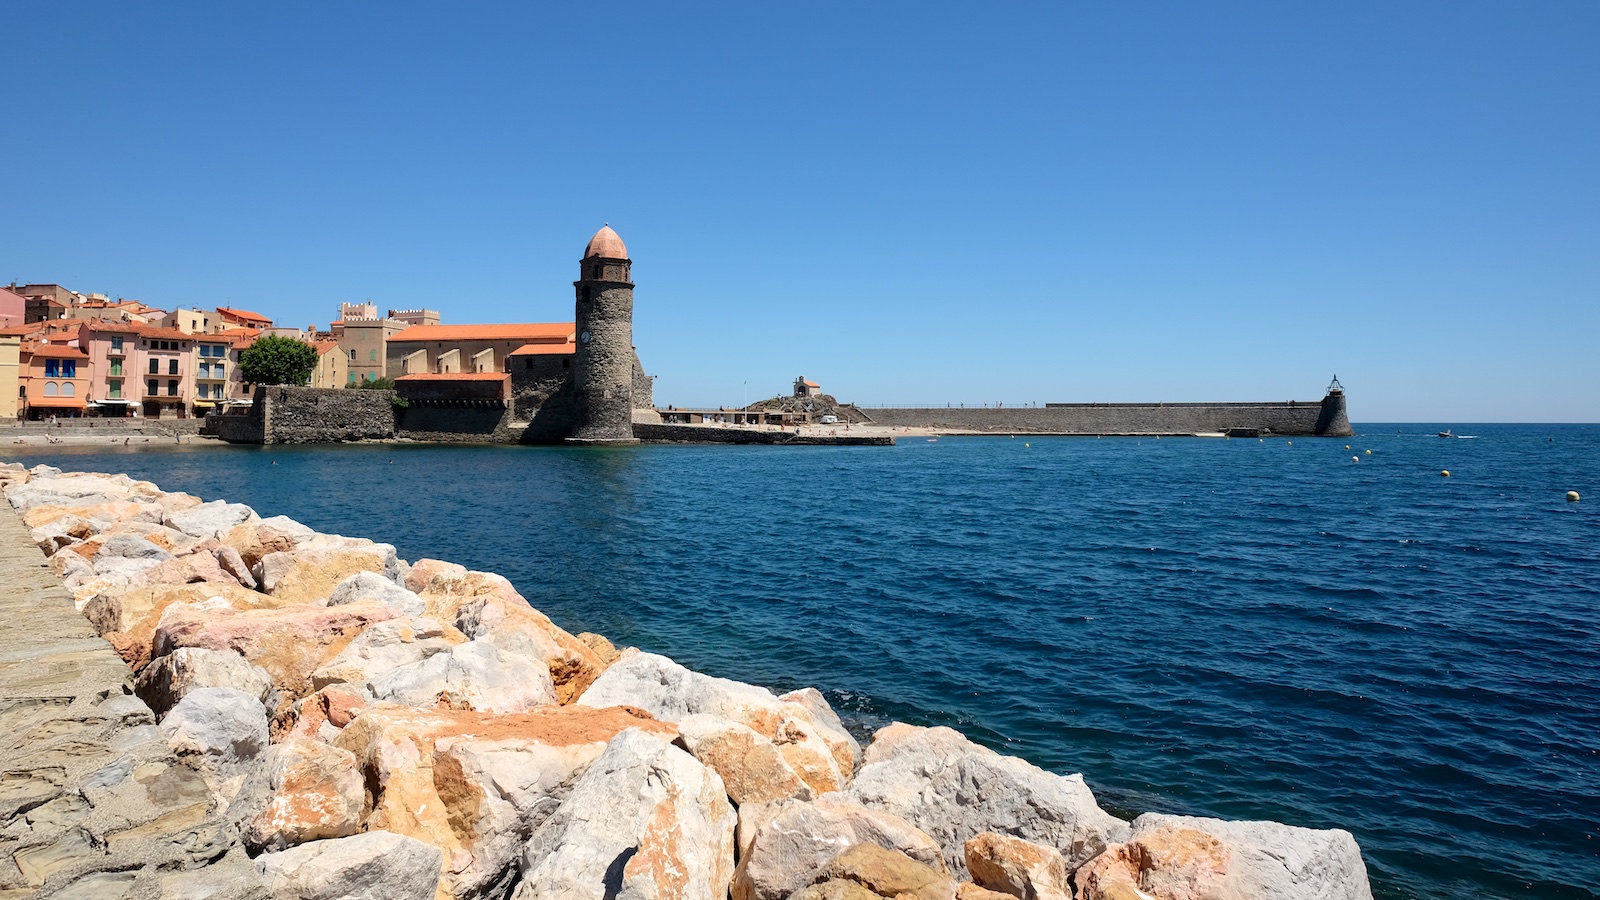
1186 858
377 865
644 821
786 843
477 784
956 790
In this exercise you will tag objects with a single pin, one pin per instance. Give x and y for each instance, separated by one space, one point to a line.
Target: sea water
1280 629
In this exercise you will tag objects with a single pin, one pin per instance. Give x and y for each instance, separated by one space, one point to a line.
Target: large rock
384 647
1017 867
315 792
127 617
290 643
256 540
1188 858
752 769
846 749
207 520
671 692
477 784
645 822
485 606
956 790
377 865
187 669
470 676
305 575
795 839
888 873
219 730
372 586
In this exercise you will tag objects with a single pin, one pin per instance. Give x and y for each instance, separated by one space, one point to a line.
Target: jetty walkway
92 800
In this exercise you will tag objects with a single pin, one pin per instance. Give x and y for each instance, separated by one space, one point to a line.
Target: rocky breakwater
327 720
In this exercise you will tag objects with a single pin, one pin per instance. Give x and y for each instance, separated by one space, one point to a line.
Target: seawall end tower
602 365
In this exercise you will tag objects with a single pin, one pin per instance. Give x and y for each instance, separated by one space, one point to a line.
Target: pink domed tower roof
607 244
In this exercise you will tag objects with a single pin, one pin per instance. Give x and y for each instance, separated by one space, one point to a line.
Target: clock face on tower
584 337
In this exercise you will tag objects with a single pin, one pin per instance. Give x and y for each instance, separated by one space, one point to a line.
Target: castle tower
603 365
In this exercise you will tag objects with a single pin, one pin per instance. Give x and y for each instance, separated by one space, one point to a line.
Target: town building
57 379
242 318
10 370
13 308
333 367
364 336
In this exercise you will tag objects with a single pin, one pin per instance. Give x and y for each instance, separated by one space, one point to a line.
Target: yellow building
10 369
333 368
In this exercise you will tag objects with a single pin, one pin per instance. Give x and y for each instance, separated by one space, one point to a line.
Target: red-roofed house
333 367
56 379
243 318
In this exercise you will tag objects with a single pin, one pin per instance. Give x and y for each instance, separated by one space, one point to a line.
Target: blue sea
1288 630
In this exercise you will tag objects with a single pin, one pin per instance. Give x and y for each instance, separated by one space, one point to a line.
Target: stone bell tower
603 365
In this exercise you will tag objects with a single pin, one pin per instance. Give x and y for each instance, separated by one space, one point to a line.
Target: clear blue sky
913 203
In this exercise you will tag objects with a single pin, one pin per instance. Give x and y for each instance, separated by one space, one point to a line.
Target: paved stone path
93 804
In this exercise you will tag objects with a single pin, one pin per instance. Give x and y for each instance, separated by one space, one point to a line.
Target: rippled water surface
1241 628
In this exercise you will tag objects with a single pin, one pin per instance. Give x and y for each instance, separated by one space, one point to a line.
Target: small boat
1446 433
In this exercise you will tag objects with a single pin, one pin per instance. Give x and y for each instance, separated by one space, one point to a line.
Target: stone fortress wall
1293 417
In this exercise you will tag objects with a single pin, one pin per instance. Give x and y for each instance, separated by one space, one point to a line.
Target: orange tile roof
456 376
325 347
548 349
244 315
19 330
811 384
517 331
55 351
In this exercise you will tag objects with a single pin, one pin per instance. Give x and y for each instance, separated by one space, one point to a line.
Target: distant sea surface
1249 629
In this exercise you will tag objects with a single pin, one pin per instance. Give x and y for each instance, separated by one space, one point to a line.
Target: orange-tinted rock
290 643
255 540
485 606
888 873
472 783
1163 864
127 617
310 576
316 793
752 769
1018 867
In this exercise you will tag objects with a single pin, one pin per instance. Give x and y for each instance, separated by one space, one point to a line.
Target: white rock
130 546
377 865
168 679
209 519
372 586
644 822
474 675
955 790
1280 861
222 730
381 649
797 838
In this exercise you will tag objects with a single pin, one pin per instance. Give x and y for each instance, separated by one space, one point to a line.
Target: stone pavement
93 804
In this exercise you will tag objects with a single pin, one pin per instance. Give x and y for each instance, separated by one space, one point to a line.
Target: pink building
13 308
141 369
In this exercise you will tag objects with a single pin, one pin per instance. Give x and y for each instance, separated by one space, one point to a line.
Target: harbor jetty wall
1290 417
248 709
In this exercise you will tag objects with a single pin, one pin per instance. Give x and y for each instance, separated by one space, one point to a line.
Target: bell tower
603 364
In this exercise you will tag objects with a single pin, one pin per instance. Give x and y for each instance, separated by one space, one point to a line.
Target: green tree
277 360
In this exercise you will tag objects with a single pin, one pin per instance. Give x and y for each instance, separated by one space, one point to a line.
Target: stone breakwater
296 714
